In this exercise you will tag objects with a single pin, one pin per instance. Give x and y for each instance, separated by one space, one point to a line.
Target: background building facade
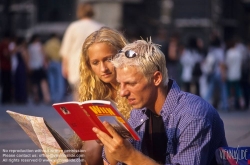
135 17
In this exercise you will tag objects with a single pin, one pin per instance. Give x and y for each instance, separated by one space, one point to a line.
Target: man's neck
160 100
162 95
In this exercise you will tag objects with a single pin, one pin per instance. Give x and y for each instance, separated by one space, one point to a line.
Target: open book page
101 111
37 130
118 124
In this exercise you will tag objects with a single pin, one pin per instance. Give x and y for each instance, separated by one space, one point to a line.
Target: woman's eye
94 62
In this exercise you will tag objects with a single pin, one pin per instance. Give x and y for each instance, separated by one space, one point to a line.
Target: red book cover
83 116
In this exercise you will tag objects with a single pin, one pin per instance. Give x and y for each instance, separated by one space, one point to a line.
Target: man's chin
136 106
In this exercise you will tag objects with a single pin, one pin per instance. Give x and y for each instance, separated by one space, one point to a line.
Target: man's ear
157 78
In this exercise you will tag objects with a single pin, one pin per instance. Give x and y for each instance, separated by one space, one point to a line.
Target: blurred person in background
55 78
191 66
215 70
21 72
72 42
201 47
161 39
245 71
234 59
38 75
5 69
245 77
203 81
172 54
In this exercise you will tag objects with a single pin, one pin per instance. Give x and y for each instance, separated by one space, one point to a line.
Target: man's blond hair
148 59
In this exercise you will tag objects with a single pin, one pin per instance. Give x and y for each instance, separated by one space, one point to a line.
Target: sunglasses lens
130 54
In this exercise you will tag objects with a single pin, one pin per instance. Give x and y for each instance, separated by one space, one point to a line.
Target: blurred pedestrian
55 78
191 66
245 77
234 59
21 72
38 73
72 42
215 70
5 69
161 39
172 53
245 72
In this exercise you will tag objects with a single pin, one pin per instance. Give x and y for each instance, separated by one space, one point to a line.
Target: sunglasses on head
129 53
132 54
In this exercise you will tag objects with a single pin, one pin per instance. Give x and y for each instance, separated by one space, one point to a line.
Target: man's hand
118 148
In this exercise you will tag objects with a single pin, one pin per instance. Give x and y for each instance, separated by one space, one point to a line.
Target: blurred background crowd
206 44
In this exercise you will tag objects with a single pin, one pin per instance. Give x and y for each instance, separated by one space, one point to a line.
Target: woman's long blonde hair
91 87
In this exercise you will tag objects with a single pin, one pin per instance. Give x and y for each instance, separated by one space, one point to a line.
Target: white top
213 60
72 42
36 56
233 62
188 60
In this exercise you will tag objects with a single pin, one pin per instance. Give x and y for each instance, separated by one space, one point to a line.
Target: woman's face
100 55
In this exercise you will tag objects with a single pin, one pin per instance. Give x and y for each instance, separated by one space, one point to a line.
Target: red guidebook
83 116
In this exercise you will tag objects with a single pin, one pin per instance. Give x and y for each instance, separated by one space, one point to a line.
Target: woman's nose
103 67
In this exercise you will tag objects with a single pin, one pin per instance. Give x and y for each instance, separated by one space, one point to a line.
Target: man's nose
123 91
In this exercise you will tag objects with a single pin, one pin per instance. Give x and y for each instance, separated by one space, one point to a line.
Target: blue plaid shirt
193 127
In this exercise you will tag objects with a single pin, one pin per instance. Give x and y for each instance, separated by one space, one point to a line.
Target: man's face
135 87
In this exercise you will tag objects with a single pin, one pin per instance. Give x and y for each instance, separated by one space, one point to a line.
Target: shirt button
141 120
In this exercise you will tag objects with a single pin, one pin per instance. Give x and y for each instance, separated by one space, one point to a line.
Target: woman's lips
106 75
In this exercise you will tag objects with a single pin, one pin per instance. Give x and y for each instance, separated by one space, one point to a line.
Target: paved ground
237 127
13 137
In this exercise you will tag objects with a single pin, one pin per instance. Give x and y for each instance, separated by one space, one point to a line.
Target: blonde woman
98 81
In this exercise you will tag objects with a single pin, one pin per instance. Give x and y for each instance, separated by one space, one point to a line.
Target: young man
175 127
